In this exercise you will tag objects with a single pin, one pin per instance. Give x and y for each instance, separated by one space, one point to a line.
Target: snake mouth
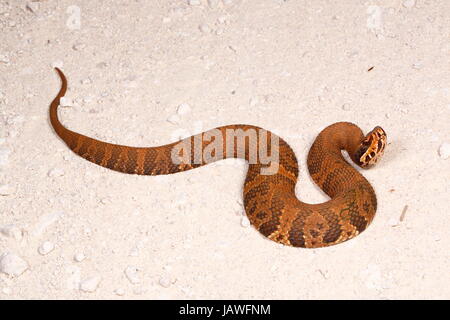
372 148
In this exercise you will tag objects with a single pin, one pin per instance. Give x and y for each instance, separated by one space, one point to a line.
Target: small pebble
46 247
183 109
65 102
5 190
55 172
245 222
78 257
444 150
194 2
204 28
90 284
119 292
227 2
417 65
4 59
409 3
12 265
164 282
131 272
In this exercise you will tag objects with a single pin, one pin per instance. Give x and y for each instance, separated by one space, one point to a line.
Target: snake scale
269 199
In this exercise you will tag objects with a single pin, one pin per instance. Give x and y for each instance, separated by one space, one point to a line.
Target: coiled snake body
269 199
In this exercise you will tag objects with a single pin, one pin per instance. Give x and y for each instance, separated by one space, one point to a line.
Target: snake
269 197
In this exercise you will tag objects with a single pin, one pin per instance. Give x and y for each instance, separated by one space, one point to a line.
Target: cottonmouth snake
269 197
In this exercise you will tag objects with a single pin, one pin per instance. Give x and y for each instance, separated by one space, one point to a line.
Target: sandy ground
71 229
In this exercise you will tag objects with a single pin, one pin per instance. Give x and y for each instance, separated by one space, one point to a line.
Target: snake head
371 148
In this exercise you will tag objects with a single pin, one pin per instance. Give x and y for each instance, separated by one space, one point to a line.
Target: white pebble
86 81
444 150
12 264
227 2
132 274
409 3
417 65
204 28
183 109
46 247
79 257
5 190
245 222
55 172
165 282
174 119
65 102
119 292
194 2
4 59
90 284
12 231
